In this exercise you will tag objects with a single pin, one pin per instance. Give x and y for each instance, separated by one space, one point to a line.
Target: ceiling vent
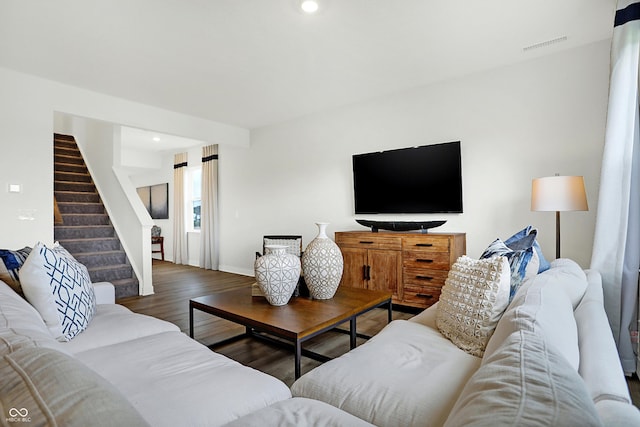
544 43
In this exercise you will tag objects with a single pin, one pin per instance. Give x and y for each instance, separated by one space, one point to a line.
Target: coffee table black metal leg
352 332
390 312
297 360
190 320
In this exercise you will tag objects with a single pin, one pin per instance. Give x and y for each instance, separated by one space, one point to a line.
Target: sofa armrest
105 293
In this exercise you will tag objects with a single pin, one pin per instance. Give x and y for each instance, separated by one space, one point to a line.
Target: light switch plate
14 188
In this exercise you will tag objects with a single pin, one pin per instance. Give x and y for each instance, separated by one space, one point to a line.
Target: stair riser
69 160
61 143
81 187
124 272
86 208
66 167
79 246
70 176
77 197
127 290
68 233
101 259
85 219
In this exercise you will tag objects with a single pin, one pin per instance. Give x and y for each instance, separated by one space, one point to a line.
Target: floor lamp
559 194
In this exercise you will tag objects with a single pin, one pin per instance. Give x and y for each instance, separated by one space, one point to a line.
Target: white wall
515 123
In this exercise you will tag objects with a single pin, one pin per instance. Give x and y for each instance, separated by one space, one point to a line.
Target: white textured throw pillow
60 288
473 298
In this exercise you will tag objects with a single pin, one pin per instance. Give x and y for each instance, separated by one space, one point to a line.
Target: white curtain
209 210
180 253
616 251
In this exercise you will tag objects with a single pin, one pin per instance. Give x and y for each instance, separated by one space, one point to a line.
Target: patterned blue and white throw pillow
522 240
60 288
523 263
10 264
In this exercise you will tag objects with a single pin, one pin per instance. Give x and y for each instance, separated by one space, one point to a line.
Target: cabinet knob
424 260
424 277
427 296
424 245
364 242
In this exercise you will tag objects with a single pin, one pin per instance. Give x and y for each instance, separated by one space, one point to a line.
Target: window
195 202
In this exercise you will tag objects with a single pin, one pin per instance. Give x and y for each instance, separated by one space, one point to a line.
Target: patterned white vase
277 274
322 264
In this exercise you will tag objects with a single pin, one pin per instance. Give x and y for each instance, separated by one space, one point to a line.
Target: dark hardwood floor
175 285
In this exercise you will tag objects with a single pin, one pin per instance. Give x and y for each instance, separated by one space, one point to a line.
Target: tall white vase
322 264
277 274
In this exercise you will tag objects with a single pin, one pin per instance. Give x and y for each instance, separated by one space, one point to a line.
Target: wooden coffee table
301 319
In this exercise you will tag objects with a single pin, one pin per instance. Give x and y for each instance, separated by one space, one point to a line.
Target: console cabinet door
385 270
355 264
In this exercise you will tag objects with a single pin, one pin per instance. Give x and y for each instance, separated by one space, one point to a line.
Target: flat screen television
425 179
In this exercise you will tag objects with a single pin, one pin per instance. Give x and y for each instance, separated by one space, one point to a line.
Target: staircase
86 231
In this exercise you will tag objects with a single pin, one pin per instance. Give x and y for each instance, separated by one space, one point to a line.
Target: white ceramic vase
322 264
277 274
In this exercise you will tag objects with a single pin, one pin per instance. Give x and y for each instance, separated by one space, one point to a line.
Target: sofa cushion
114 324
407 374
18 317
45 387
299 412
523 261
545 306
522 236
599 361
473 298
525 383
173 380
59 287
10 264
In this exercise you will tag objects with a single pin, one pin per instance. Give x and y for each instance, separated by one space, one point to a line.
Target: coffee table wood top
300 318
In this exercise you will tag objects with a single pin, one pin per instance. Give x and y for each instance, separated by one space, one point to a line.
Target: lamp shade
558 193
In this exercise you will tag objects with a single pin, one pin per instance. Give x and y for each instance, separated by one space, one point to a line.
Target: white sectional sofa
154 373
550 362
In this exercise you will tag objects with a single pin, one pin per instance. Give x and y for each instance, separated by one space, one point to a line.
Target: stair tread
79 203
86 239
81 213
84 225
108 267
73 173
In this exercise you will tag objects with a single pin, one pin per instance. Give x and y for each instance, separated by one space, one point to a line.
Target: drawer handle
424 245
366 243
424 277
424 260
427 296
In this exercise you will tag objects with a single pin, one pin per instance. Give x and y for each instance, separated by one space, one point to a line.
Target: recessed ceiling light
309 6
156 138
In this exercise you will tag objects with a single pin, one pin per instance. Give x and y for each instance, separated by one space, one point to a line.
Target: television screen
425 179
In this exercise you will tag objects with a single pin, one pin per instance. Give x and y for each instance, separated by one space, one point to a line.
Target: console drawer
430 260
433 243
423 296
369 241
424 277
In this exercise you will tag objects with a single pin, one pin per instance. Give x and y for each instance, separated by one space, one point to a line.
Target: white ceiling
256 62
